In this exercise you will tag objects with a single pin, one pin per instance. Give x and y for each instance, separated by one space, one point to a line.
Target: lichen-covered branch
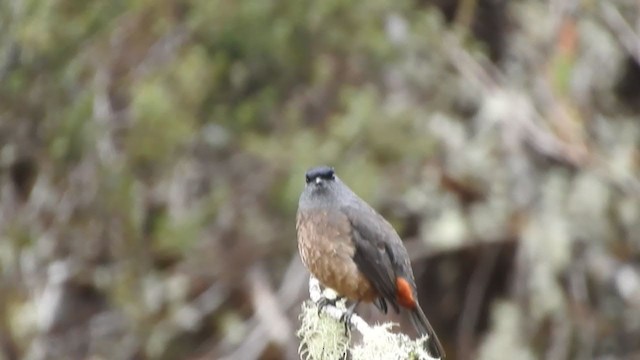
322 333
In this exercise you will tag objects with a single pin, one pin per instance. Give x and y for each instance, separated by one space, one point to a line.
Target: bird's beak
318 180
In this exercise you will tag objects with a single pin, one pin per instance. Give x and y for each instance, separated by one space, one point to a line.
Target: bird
355 251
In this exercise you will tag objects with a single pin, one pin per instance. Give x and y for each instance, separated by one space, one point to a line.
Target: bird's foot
325 301
346 317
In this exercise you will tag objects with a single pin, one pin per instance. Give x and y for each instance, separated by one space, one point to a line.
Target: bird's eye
329 175
320 173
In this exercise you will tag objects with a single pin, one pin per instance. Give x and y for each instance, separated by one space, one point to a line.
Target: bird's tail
422 325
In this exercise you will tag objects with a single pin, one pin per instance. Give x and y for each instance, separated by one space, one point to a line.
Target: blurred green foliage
149 144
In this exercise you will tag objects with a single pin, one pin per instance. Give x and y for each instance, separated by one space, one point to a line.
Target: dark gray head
324 189
320 175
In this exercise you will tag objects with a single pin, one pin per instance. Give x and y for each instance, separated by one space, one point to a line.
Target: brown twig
474 298
258 339
623 31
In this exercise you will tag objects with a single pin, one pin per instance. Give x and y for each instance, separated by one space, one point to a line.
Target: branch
322 334
335 312
615 22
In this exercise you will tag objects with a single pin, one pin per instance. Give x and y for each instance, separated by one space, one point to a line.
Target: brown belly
326 249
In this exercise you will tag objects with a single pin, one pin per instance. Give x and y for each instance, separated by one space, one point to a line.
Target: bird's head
320 177
323 187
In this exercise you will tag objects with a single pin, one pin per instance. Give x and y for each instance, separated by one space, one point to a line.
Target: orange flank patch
405 293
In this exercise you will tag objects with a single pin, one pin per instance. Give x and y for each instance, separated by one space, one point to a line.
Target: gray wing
374 255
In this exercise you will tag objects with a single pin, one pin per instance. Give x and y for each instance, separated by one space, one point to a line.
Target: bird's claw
325 301
346 318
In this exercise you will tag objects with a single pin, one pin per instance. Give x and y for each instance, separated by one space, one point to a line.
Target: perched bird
353 250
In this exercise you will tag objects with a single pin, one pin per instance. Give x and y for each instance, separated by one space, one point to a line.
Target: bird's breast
326 249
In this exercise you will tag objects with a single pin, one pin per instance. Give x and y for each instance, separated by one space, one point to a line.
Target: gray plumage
352 249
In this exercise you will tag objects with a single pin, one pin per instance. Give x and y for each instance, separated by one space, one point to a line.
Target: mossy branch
322 334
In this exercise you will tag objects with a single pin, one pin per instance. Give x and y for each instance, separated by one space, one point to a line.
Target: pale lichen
321 337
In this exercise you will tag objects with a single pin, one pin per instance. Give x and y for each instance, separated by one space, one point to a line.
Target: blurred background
152 154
